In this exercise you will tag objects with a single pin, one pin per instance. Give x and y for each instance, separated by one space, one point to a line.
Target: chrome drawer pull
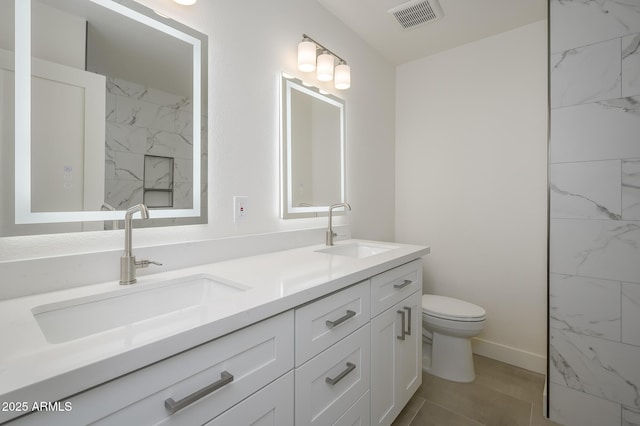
173 406
408 309
403 285
349 314
350 367
402 326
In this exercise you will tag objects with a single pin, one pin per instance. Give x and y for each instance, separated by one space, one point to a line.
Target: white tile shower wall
630 64
595 313
578 408
586 74
631 189
631 313
142 120
594 345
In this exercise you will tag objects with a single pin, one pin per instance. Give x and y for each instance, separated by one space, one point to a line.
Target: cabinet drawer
272 405
322 323
329 384
255 356
392 286
357 415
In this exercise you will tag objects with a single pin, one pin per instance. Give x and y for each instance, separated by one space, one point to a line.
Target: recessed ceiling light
186 2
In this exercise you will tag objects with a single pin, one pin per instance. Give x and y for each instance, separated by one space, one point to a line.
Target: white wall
471 167
250 43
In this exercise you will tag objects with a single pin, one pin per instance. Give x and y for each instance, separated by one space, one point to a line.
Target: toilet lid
450 308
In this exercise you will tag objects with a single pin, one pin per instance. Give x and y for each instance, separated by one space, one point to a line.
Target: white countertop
32 369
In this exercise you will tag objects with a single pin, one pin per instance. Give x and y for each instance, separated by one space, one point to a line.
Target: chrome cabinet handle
403 285
402 325
173 406
350 367
349 314
408 309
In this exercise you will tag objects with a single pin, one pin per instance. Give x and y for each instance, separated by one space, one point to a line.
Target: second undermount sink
356 250
84 316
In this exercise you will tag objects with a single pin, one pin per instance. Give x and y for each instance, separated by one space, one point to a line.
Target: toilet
452 323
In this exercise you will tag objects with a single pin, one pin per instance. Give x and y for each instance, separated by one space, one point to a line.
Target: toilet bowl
452 323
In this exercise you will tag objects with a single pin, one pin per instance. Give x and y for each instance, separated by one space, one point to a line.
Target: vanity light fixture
306 55
325 67
343 76
323 63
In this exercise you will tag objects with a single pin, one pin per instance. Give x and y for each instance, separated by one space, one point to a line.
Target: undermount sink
84 316
356 250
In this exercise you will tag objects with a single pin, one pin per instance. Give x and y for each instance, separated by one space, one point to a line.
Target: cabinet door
396 358
409 351
272 405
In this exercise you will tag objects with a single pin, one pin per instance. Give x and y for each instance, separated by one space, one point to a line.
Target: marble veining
631 189
631 65
586 190
584 132
599 207
582 22
622 233
586 74
595 313
630 416
123 194
599 367
596 248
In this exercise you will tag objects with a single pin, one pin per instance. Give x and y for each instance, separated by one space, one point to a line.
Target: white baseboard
513 356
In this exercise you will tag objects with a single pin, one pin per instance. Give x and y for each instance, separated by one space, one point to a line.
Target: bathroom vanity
224 343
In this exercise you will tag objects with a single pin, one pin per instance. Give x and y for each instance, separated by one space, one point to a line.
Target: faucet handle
144 263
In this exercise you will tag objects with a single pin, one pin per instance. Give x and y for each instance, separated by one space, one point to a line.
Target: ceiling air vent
416 12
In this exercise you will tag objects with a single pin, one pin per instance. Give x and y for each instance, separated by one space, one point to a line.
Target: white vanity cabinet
254 357
349 357
375 351
396 340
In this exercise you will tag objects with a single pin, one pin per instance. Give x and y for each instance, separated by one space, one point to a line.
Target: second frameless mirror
313 150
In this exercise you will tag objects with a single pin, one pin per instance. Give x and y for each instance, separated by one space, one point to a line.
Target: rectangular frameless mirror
313 150
106 89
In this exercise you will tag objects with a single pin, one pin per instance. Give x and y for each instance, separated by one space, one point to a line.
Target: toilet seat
451 309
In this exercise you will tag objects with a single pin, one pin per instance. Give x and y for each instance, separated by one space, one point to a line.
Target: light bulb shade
306 56
343 77
325 67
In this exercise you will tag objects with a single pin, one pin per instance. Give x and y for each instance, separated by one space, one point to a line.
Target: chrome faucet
128 262
330 233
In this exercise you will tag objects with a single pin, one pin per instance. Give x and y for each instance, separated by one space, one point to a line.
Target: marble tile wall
142 120
594 183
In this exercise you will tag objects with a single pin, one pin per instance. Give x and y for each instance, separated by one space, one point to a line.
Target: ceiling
463 21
